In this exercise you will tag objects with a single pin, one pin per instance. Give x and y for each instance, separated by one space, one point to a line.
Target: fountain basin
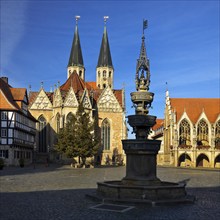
166 192
142 96
141 120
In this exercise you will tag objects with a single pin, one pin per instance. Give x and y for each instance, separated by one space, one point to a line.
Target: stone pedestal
141 162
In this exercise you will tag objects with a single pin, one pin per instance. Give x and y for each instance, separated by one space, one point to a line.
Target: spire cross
105 19
77 18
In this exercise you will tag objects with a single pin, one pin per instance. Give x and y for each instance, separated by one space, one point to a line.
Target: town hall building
190 132
99 98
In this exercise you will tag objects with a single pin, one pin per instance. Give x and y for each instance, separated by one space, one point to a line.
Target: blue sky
182 43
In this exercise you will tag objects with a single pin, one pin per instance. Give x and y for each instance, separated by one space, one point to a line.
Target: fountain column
140 183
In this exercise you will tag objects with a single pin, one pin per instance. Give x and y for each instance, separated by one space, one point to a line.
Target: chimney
5 79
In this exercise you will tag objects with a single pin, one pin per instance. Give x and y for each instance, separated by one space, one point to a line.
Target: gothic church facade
99 98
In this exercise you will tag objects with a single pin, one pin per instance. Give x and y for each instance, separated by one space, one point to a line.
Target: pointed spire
143 65
76 58
105 58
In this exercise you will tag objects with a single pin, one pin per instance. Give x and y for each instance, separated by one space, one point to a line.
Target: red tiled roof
75 82
18 93
32 97
50 96
6 99
159 123
118 94
79 86
195 106
11 98
92 85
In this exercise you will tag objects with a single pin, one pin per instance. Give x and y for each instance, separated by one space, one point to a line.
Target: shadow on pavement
73 204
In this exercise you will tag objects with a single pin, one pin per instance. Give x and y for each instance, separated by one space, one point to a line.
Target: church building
99 98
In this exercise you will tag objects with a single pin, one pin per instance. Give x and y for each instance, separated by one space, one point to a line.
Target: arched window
104 85
42 134
105 129
184 133
110 73
69 117
58 123
80 73
104 74
202 133
217 134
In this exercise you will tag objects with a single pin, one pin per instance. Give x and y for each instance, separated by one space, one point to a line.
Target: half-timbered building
17 125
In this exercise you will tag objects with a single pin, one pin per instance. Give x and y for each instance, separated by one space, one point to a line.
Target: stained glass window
105 128
184 133
202 133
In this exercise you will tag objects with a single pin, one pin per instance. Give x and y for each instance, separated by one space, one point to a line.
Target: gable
5 103
85 100
108 102
57 102
71 100
41 101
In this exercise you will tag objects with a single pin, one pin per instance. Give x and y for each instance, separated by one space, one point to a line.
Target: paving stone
58 192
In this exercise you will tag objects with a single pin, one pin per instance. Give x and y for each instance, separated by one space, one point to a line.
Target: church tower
76 58
104 69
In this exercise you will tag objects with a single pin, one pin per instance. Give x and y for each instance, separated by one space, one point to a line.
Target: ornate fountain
141 183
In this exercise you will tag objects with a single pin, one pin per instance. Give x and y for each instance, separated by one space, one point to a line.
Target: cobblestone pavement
58 192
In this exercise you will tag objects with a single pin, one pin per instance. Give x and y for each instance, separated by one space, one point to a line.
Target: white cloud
12 22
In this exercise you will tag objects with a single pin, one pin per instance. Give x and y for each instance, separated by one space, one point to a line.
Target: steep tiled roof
75 82
32 97
18 93
11 98
78 86
92 85
118 95
159 123
195 106
6 99
50 96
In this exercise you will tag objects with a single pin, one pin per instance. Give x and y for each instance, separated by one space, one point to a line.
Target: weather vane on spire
105 19
77 18
145 25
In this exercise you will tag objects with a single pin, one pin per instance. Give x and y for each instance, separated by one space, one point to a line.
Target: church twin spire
105 59
104 69
76 59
